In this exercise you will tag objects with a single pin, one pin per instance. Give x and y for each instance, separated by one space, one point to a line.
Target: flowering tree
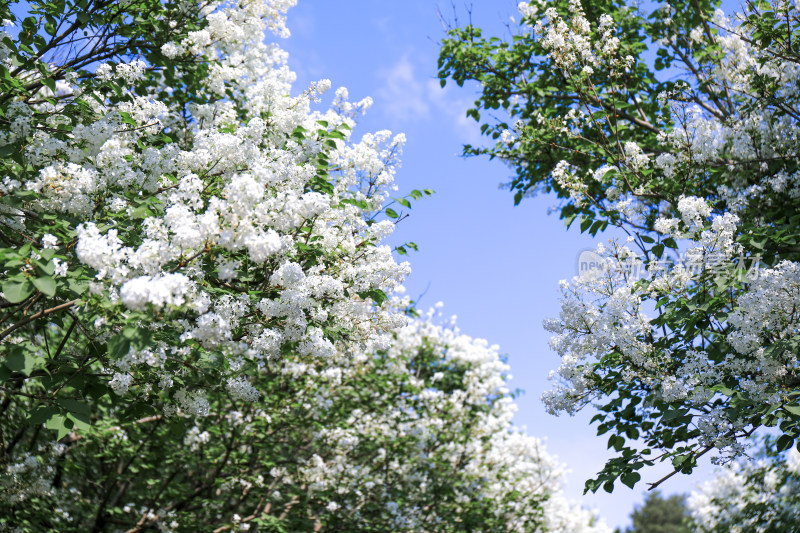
757 496
201 328
680 128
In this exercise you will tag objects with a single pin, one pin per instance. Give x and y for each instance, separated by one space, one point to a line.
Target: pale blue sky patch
408 97
402 95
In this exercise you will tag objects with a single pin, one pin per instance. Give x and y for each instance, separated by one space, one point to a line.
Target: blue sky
495 266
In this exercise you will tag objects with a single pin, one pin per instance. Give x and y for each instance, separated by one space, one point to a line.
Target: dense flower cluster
604 311
233 199
756 496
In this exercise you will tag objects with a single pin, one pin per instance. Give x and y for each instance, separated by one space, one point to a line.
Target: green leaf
793 409
16 291
377 295
616 442
47 254
630 479
140 337
60 424
46 285
675 413
41 415
127 118
138 410
50 83
177 429
391 213
7 150
591 485
784 443
678 460
118 346
78 287
21 361
79 410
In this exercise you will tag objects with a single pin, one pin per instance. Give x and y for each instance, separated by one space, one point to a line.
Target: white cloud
405 98
455 108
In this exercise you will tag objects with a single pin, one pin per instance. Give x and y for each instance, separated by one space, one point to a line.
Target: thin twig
11 329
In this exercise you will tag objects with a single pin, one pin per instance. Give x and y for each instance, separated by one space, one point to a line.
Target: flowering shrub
202 329
757 496
680 356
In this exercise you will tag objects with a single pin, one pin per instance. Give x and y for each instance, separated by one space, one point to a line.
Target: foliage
679 126
201 327
756 496
660 515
